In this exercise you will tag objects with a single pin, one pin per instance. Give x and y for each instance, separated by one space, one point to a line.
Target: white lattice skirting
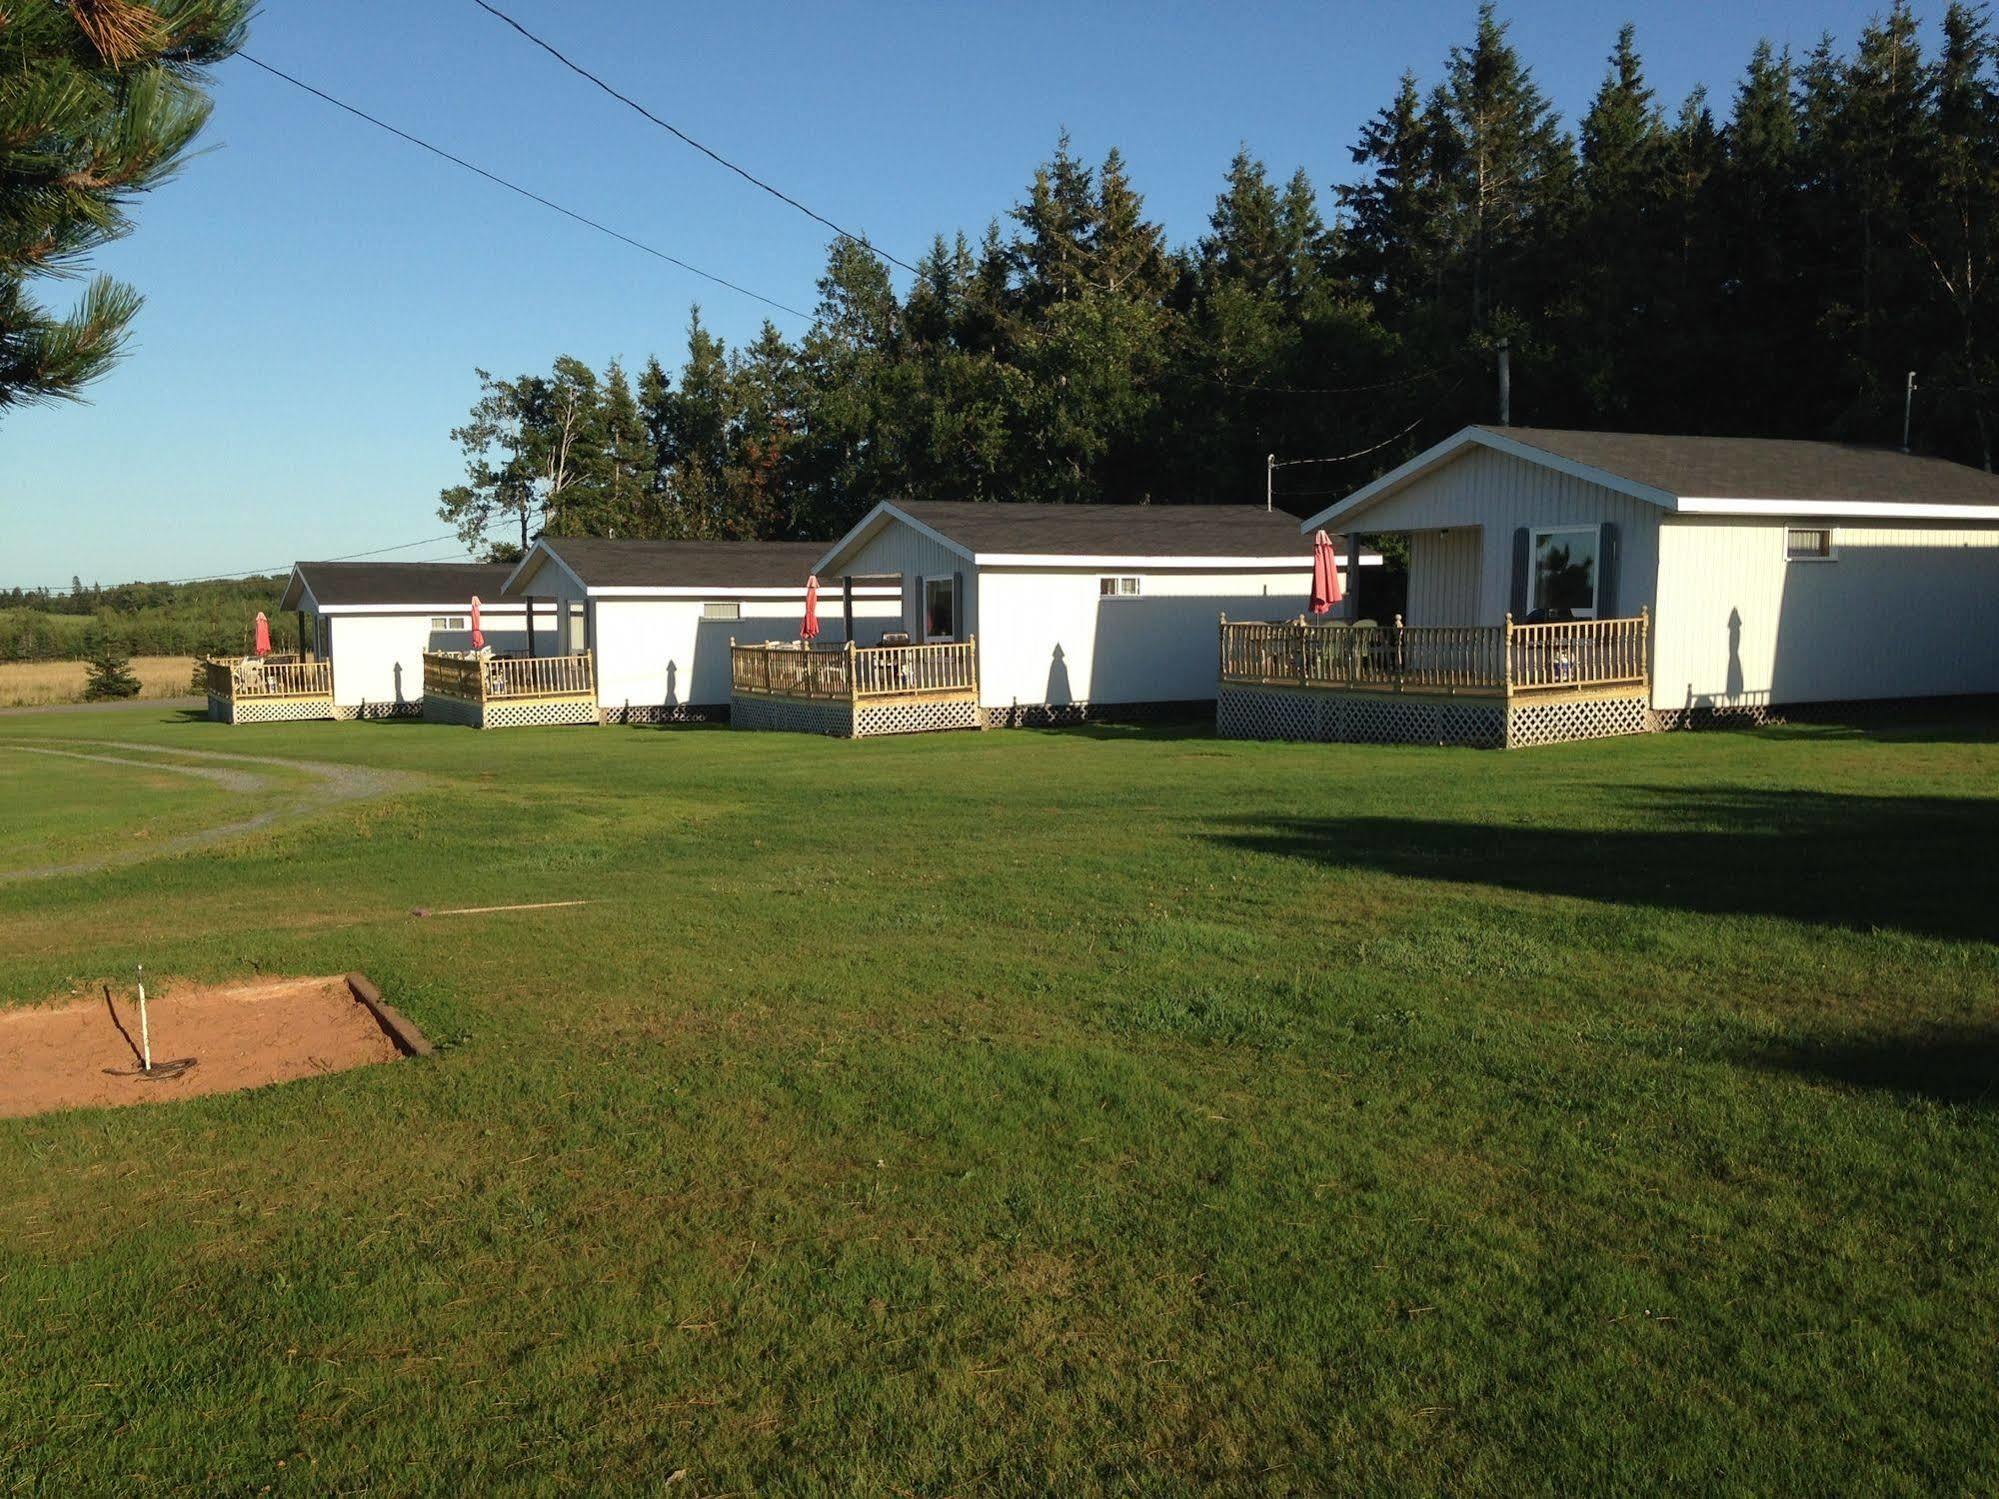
525 713
791 716
1582 718
915 718
272 710
843 721
1357 718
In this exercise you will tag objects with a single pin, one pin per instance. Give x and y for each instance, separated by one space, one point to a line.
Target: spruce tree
109 676
100 100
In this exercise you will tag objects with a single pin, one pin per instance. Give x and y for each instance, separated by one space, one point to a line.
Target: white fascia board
1856 509
790 591
1441 453
448 606
304 602
1146 564
869 523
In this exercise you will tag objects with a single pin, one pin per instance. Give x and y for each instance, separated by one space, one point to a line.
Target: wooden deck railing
851 674
268 676
1506 660
485 679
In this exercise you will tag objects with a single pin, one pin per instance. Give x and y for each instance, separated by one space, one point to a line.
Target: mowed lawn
1100 1110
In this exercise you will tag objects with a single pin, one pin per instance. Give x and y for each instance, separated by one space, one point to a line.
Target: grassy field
33 683
1017 1113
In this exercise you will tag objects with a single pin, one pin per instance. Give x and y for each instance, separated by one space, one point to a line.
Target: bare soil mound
206 1039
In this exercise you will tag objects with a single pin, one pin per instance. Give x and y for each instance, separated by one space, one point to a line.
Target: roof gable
1717 475
999 533
358 585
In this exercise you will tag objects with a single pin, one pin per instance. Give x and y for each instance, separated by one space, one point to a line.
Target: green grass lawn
1040 1112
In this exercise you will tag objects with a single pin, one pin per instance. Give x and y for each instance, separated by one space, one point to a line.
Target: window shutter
1607 560
957 606
1523 560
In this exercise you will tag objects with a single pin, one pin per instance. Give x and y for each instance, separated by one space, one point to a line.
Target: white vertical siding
898 548
1047 635
1900 612
665 653
378 658
1445 575
1498 493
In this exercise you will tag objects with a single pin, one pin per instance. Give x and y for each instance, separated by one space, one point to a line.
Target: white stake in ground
145 1036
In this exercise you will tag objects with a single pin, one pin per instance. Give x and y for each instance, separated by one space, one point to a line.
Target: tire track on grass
332 785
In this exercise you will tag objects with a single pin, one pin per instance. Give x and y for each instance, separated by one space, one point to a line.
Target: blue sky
319 293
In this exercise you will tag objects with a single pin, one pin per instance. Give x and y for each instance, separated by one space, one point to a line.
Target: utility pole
1908 406
1505 383
1269 474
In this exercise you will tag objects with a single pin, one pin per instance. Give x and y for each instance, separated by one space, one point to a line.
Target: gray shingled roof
1113 530
1766 468
362 583
602 563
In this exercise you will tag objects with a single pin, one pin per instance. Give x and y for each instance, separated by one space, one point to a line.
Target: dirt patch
206 1039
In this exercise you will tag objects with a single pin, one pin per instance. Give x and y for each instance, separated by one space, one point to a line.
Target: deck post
1400 661
853 683
1506 656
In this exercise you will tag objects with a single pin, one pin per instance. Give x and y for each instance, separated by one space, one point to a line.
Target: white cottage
656 618
1571 584
1035 614
363 630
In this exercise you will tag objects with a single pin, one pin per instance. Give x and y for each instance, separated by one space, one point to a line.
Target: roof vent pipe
1505 384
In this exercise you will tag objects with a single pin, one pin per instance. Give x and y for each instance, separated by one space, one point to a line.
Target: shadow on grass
1154 730
1922 865
1947 721
1945 1066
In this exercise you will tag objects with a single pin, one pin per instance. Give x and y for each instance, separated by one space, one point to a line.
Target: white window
713 610
940 609
447 621
1808 544
1565 571
1117 588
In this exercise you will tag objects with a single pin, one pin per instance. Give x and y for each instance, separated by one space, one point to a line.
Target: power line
674 130
286 567
515 187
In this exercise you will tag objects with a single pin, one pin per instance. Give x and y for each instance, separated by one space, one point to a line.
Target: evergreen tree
624 477
99 102
110 672
1507 173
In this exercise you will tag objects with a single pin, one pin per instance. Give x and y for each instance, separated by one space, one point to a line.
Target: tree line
145 619
1772 267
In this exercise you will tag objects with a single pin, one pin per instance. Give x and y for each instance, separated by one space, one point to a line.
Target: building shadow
1920 865
1957 1065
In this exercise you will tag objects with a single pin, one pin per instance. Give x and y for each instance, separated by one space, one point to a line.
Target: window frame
1534 535
448 624
1830 554
734 608
950 581
1111 586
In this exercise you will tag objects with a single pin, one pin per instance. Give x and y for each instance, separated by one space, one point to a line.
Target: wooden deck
1546 662
854 691
876 675
253 689
492 692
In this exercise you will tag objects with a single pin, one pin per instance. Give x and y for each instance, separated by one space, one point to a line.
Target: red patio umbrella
808 628
263 641
1326 589
478 635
